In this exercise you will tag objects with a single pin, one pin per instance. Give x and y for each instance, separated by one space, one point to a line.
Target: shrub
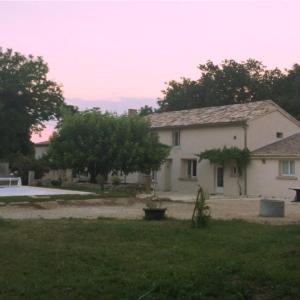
116 180
100 180
201 214
56 182
21 165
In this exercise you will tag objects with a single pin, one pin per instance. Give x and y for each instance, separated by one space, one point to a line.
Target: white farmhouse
270 133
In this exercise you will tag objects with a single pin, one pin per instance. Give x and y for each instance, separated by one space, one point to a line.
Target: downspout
245 147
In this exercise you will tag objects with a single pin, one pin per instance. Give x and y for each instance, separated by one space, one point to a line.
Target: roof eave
236 123
281 156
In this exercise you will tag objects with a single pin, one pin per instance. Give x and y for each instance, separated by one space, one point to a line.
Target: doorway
220 180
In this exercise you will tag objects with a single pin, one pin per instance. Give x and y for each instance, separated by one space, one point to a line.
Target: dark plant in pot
154 209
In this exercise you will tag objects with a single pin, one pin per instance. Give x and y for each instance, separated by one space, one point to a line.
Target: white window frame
290 168
154 175
191 168
176 137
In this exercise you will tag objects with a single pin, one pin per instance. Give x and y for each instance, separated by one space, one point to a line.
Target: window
192 168
287 168
154 176
176 137
279 135
235 171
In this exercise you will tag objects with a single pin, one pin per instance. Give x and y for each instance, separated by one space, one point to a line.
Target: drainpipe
245 146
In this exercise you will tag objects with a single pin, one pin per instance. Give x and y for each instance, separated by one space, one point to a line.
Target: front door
219 180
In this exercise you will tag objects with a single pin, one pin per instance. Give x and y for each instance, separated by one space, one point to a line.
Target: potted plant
154 211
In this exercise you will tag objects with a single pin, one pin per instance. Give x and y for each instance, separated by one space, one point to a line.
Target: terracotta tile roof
289 146
213 115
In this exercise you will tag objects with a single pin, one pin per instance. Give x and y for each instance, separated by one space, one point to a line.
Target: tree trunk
93 178
93 174
147 183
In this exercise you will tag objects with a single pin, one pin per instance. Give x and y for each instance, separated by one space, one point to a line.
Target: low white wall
263 179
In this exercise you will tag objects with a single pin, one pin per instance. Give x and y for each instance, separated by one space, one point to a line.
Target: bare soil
132 208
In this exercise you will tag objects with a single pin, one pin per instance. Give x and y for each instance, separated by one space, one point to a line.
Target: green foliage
120 259
146 110
103 142
100 179
241 157
27 99
116 180
227 155
234 82
201 213
21 165
56 183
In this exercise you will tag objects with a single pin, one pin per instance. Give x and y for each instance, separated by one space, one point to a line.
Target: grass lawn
113 259
98 194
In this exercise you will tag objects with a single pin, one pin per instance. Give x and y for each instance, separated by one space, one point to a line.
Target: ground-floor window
188 169
287 168
192 168
154 175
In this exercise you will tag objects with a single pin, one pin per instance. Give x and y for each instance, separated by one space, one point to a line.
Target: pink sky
118 55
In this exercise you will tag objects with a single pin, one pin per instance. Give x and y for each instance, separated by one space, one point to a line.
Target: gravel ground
132 208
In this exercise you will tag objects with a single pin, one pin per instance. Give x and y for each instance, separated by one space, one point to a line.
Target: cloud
118 105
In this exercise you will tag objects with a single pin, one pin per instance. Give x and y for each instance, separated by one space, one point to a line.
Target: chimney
132 112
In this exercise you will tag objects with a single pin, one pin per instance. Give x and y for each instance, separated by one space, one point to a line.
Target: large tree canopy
27 99
234 82
103 142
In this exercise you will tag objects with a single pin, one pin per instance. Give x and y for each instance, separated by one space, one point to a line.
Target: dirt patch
132 208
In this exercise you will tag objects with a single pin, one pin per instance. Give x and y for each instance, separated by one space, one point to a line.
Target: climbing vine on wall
241 157
227 155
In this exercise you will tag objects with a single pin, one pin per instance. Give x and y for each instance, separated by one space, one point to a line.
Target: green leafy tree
181 95
234 82
85 140
27 99
103 142
146 110
288 91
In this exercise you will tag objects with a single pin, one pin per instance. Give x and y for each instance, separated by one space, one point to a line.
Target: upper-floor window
287 168
176 137
279 135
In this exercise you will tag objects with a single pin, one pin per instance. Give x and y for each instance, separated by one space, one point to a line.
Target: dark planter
155 213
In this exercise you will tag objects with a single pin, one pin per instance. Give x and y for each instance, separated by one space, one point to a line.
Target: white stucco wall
194 141
264 179
262 131
40 151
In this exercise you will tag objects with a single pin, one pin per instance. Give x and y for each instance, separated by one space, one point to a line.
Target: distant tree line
233 82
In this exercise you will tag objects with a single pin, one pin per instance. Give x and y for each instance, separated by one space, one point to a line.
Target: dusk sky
118 55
